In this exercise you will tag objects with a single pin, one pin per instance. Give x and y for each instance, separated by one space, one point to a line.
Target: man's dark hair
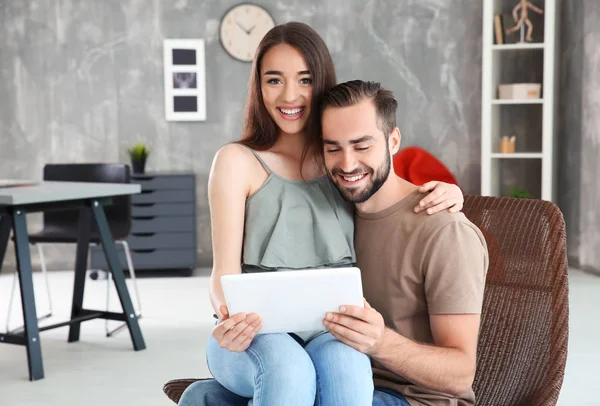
355 91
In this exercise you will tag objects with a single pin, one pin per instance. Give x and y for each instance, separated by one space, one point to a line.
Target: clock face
242 29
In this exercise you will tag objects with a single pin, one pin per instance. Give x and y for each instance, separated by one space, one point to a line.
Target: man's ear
394 141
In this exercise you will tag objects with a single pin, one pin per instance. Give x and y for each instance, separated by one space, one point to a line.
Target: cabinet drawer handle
144 251
143 234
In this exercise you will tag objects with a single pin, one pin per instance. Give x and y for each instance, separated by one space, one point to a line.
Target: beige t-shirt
414 266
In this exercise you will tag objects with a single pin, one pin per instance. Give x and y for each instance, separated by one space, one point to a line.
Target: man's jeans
277 370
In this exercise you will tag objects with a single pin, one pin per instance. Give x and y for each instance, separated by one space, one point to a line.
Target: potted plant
138 154
519 193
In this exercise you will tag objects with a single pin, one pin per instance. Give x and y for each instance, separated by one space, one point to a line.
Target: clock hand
251 29
243 29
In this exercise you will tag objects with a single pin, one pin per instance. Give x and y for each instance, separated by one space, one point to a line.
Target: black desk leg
32 334
5 225
83 243
110 251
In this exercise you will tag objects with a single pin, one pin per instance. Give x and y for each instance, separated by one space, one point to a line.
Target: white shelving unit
492 161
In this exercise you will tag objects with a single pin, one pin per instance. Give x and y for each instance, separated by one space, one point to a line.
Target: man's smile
352 180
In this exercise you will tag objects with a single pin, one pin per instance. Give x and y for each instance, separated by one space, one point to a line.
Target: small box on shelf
520 91
507 145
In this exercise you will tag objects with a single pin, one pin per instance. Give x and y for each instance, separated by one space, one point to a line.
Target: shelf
531 117
518 155
517 101
515 47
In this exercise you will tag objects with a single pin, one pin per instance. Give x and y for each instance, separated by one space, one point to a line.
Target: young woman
273 208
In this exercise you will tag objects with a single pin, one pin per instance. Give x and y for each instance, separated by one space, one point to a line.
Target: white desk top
60 191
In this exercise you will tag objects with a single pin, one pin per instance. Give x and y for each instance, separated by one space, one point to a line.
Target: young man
425 275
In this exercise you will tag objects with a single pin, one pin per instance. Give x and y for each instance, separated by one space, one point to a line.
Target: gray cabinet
163 224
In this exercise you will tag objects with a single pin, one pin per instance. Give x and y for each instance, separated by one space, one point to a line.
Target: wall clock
242 28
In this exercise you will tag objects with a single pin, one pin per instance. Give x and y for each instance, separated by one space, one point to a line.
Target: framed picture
185 82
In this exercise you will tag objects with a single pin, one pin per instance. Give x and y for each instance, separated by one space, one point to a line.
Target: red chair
418 166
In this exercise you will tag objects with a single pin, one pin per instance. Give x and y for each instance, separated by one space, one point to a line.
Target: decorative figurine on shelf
524 19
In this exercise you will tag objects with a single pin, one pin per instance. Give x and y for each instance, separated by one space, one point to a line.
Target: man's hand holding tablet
362 328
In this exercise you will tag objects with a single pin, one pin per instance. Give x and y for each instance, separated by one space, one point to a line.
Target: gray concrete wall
83 80
579 142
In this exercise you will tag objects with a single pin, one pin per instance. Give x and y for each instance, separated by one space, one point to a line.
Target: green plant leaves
138 151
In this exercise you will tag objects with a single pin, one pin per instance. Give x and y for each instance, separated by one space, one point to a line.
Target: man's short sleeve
455 267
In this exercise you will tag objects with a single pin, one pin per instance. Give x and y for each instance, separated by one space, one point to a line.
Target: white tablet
292 301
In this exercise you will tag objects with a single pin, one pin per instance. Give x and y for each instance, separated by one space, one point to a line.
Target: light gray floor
177 318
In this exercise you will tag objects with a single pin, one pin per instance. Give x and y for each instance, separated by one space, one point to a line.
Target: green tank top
293 225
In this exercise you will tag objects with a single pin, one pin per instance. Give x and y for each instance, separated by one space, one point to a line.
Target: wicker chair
522 349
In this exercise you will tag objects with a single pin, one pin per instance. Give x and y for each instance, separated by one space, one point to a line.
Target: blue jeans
280 370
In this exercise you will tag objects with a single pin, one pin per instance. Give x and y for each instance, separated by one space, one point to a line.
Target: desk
89 198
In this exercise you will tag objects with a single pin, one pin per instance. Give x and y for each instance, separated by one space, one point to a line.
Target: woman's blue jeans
278 369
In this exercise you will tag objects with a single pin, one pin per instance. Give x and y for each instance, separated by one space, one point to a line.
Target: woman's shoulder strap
262 161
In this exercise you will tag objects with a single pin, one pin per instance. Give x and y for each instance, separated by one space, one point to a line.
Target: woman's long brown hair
260 131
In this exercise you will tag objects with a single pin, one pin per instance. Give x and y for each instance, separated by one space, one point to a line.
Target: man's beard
378 178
